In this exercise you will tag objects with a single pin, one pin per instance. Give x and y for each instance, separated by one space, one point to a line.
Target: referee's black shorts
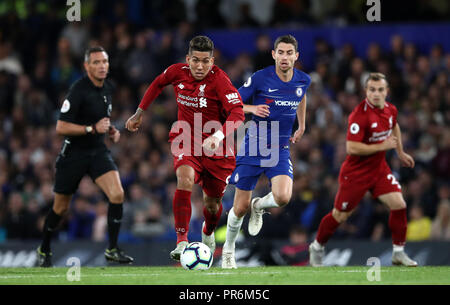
71 168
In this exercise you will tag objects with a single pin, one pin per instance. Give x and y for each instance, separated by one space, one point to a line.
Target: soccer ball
196 256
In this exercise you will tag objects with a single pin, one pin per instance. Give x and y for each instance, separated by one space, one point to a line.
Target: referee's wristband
219 134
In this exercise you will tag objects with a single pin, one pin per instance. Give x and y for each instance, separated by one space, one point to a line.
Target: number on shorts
394 181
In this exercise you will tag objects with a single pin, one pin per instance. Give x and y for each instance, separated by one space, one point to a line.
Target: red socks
182 212
211 220
398 226
327 227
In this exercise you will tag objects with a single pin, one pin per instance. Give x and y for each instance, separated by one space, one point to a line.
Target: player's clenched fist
211 143
134 122
102 126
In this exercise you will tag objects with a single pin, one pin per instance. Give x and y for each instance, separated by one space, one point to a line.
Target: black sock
115 212
51 222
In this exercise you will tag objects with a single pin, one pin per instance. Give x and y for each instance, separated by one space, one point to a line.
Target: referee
84 122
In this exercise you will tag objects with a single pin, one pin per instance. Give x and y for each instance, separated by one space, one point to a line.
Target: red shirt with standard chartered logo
369 125
200 102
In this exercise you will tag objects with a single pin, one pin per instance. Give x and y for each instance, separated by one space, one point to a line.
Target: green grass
218 276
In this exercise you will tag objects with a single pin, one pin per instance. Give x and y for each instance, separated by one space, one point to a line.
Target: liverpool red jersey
369 125
200 102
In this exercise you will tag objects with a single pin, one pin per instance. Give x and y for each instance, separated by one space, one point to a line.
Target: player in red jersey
207 101
373 130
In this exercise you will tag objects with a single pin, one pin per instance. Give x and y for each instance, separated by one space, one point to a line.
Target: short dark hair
91 50
376 76
286 39
201 44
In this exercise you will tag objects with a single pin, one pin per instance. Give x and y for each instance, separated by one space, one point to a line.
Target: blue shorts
245 176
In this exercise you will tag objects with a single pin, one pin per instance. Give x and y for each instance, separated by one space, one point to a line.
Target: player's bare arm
301 117
135 121
64 128
405 158
258 110
362 149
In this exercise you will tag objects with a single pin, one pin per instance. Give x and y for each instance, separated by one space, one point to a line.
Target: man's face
284 56
98 65
376 92
199 63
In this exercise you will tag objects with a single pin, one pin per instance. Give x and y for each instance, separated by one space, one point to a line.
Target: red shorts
211 174
351 192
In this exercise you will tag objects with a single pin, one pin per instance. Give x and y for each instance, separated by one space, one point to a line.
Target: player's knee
241 209
398 204
61 208
117 196
282 199
185 183
340 216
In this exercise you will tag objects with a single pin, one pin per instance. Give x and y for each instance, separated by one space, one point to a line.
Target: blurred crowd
41 56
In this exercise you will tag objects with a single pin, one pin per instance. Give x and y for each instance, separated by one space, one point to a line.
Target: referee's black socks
51 222
115 211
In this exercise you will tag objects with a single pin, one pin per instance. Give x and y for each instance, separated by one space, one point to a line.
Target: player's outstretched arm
258 110
155 88
362 149
405 158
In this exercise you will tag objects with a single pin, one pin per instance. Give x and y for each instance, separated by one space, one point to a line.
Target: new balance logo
233 98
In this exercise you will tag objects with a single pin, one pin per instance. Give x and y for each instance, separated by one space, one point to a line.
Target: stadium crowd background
41 56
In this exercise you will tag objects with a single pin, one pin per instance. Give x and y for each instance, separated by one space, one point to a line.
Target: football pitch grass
218 276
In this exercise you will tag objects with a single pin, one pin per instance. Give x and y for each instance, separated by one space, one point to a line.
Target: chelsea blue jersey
272 132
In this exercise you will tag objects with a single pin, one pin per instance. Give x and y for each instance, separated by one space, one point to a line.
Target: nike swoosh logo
272 90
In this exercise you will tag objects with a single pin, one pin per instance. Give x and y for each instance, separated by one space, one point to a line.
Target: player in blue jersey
278 94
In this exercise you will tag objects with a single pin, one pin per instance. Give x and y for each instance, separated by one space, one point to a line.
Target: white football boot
210 240
255 222
228 260
176 253
316 254
402 259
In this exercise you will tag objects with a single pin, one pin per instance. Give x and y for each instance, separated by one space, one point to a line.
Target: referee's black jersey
86 104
